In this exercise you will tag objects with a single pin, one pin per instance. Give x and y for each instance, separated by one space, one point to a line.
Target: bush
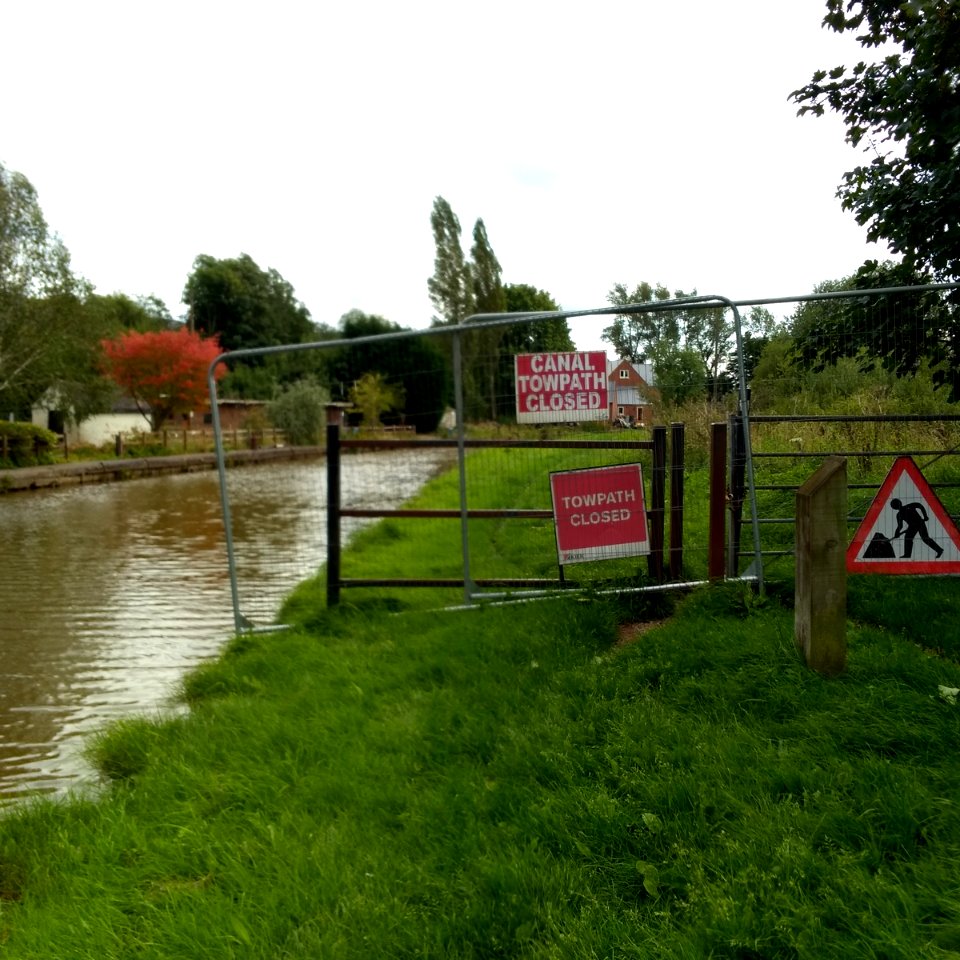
300 412
25 445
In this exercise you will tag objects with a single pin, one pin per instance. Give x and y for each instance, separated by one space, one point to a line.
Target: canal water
110 593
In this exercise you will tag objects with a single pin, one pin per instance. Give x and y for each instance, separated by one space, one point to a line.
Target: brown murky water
108 594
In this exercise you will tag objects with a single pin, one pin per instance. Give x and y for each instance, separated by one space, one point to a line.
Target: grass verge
514 782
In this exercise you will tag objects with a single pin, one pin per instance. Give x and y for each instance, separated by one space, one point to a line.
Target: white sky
601 143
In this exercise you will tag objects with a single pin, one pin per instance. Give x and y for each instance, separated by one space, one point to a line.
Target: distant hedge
24 445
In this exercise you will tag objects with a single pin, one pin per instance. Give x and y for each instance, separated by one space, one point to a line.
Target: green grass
513 782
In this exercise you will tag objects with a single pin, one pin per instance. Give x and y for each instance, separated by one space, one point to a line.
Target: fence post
820 614
738 469
718 500
334 419
676 500
118 445
657 500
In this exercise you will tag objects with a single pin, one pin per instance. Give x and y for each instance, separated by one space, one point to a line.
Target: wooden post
737 488
676 500
658 483
820 612
118 445
334 419
718 500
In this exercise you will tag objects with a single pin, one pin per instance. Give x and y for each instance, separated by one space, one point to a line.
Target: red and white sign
906 530
599 513
561 387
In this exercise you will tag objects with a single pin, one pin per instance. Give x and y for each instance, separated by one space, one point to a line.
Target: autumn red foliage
165 371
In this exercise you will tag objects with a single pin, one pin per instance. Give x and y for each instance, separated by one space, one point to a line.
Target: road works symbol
906 530
599 513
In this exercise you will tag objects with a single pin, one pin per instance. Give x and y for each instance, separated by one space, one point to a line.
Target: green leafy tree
550 335
49 342
480 378
671 337
539 336
759 326
245 306
680 373
120 312
373 395
776 375
634 336
249 308
898 332
299 410
417 364
451 286
903 109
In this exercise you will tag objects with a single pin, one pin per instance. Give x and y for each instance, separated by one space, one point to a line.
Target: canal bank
109 471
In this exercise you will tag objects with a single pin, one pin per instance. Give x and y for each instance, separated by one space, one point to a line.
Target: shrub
25 445
300 412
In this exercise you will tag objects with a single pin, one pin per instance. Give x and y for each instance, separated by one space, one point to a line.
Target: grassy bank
517 782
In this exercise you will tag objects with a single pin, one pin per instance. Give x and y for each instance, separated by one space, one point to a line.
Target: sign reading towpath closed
561 387
599 513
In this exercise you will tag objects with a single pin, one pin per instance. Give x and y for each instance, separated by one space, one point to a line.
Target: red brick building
630 391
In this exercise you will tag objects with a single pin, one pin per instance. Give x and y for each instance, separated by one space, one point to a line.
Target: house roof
643 370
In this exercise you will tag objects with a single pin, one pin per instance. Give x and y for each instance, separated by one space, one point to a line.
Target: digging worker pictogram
912 522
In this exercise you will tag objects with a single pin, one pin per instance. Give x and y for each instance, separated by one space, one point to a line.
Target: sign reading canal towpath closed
599 513
561 387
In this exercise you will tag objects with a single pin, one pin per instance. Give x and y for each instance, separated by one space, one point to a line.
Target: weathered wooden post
820 610
334 419
676 500
658 484
737 489
718 500
118 445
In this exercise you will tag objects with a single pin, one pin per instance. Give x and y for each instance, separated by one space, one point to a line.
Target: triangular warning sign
906 530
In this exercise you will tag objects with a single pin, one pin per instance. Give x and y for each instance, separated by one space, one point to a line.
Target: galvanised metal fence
838 350
870 376
481 394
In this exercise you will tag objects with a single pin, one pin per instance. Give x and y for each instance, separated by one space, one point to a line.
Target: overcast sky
600 143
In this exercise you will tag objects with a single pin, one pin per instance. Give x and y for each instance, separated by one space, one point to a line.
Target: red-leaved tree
164 372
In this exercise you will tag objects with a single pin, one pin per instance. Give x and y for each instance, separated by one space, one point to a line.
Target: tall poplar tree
489 297
451 286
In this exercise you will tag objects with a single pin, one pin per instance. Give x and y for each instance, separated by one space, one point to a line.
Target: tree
538 336
634 335
120 312
550 335
686 344
680 372
48 342
374 396
451 286
488 297
903 108
249 308
416 364
299 411
164 371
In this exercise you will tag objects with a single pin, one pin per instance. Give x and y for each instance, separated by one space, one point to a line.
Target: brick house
631 391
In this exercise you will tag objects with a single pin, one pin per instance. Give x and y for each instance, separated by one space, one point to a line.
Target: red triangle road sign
906 530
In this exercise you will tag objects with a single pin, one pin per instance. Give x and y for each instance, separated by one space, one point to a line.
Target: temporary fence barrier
461 344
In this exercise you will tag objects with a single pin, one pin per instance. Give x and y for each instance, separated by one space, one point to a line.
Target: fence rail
656 512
